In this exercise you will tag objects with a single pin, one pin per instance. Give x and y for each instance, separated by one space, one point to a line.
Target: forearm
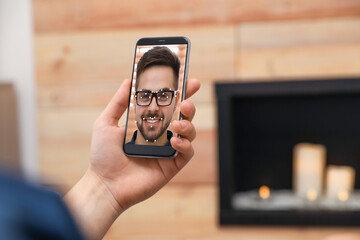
92 205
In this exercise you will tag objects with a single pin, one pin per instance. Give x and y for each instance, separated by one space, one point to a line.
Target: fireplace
289 152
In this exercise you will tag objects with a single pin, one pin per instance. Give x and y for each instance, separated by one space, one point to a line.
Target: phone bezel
149 151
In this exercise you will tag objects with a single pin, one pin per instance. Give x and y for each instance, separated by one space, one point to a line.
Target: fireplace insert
259 125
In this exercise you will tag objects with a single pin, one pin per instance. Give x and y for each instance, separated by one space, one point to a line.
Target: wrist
93 205
101 190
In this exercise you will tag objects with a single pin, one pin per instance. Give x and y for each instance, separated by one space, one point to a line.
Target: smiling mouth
152 120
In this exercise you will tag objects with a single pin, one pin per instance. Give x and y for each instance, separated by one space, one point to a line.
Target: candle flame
312 195
264 192
343 196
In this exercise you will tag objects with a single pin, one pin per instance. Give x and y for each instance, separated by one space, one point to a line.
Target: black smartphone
157 87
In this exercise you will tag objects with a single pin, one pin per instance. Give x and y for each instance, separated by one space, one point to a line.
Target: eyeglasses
163 97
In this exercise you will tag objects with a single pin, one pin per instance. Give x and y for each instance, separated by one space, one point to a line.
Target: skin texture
114 182
157 118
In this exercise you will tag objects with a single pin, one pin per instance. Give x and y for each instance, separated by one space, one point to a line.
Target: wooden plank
85 58
98 94
76 95
301 48
60 15
173 213
205 117
68 85
302 32
301 61
106 56
64 146
191 212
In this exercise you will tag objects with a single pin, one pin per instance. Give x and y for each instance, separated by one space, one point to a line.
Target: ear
177 98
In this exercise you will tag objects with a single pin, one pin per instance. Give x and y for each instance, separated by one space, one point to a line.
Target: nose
153 105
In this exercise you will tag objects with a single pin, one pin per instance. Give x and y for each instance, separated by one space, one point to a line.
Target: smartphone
158 84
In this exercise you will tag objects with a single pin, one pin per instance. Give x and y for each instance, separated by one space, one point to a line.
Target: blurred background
61 61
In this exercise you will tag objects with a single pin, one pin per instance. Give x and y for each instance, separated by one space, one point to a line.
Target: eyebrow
162 89
165 89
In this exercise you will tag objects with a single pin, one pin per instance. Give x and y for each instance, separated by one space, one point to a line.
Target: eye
163 96
145 96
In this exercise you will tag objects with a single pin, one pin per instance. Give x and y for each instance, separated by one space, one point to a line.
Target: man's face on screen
155 103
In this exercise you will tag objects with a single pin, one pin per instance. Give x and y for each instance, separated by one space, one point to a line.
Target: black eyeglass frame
154 95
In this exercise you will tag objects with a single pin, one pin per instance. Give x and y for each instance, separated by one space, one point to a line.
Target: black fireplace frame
226 92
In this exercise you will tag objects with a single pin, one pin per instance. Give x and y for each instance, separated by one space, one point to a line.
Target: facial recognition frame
143 45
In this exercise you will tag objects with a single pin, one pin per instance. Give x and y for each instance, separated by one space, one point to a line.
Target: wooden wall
84 49
9 140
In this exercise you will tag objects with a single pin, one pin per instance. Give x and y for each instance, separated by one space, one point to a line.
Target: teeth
152 121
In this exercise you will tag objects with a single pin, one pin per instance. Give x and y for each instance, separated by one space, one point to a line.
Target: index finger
117 105
192 86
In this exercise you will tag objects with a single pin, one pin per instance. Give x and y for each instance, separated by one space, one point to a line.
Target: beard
151 134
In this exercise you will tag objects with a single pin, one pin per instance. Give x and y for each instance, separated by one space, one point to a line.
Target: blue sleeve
29 212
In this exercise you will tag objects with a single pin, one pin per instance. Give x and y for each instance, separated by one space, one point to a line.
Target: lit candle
312 195
339 182
264 192
308 170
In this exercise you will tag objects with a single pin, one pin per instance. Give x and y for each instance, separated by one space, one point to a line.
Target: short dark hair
158 56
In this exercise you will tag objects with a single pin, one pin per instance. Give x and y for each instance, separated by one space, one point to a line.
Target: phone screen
157 88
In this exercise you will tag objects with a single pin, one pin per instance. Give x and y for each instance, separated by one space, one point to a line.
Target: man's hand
115 182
